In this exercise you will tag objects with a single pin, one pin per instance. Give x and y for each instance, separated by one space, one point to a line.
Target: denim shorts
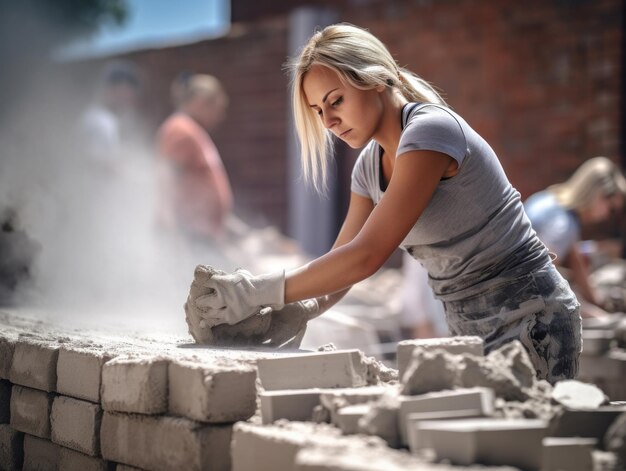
538 308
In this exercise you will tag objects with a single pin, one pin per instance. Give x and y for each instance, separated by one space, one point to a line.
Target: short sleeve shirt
474 230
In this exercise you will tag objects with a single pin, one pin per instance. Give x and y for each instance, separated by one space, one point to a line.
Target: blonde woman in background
591 195
196 194
425 181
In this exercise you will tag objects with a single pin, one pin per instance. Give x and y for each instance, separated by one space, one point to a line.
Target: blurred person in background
593 194
196 196
110 117
425 181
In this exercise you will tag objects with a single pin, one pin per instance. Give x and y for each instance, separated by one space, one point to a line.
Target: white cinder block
295 404
75 424
568 453
30 411
487 441
70 460
41 455
335 369
165 443
416 441
223 393
479 399
79 372
135 384
35 365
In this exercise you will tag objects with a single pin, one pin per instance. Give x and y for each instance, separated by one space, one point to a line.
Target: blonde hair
596 175
188 86
361 60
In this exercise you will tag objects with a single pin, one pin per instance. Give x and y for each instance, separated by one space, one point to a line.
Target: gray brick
30 411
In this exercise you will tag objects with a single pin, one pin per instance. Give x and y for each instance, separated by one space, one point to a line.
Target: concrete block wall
148 405
69 403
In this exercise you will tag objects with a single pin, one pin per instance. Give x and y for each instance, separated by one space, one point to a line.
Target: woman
591 195
425 181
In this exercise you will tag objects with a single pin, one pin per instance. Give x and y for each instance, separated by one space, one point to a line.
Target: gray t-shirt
474 233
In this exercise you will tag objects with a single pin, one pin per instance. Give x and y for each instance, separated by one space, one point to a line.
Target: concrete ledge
30 411
75 424
79 372
35 365
162 443
40 454
135 384
336 369
11 448
222 393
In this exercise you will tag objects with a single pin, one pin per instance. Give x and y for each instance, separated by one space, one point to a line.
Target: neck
390 127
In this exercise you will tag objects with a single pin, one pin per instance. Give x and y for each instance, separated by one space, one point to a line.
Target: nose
330 119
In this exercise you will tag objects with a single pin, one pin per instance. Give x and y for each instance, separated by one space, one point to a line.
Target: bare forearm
330 274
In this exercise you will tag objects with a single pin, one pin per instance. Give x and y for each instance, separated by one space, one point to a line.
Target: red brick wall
540 80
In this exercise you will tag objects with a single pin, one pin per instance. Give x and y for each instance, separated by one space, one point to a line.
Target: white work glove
234 297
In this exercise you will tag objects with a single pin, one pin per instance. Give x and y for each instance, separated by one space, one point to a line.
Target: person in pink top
197 196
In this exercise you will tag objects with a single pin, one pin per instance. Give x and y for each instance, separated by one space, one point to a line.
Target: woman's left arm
415 177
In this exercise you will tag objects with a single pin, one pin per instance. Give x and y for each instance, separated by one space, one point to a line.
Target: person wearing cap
591 195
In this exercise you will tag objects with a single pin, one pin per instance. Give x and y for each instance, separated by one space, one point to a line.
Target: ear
380 88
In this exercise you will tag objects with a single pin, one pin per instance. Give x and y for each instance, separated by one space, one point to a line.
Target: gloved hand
231 298
288 325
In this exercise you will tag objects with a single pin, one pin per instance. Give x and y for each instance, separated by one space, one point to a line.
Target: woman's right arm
358 211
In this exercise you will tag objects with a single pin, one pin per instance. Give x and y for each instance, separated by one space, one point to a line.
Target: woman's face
351 114
602 207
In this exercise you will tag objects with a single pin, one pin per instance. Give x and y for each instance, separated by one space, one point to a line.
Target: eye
338 101
319 112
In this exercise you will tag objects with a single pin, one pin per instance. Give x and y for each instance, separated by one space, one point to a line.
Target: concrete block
224 393
71 460
347 418
453 345
11 448
479 399
571 454
75 424
165 443
334 399
5 401
586 423
7 347
123 467
291 404
135 385
30 411
487 441
79 372
40 454
35 365
274 447
597 342
416 442
334 369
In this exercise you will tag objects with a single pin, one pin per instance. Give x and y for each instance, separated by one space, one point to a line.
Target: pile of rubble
84 400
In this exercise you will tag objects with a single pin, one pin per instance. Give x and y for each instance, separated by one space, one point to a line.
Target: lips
345 133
